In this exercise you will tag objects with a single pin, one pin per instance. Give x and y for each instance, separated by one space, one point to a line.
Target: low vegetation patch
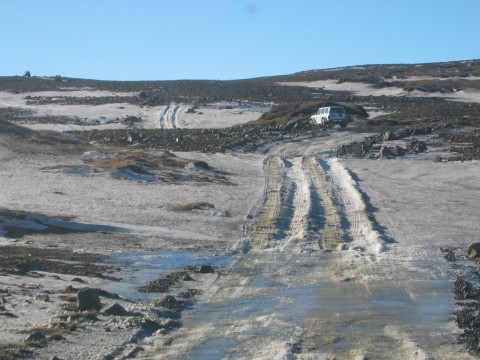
193 206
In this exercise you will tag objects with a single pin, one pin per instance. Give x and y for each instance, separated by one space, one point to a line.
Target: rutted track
168 117
286 299
297 210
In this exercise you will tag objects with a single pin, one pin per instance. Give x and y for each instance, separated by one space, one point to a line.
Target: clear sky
228 39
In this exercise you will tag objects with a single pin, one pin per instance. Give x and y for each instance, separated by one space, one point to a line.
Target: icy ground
314 257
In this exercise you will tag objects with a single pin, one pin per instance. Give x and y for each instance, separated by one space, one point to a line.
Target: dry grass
11 351
145 165
192 206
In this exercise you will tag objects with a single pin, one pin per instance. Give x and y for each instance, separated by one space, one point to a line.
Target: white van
330 115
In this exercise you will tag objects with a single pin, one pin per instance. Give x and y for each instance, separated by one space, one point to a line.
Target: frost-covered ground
110 116
363 89
314 257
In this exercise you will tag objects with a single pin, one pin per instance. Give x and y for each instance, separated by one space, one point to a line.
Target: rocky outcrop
88 299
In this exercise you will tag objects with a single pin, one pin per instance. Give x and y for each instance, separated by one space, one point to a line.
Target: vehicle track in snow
286 298
168 117
297 210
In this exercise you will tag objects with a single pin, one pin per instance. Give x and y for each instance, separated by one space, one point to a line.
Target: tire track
332 235
297 206
297 210
168 117
265 221
362 235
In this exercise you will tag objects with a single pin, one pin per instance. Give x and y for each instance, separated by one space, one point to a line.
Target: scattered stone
385 152
449 256
398 151
464 290
70 289
162 284
468 319
189 293
417 146
76 279
42 297
187 277
88 299
115 310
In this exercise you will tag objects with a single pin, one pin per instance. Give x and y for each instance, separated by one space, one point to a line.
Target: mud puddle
279 305
140 268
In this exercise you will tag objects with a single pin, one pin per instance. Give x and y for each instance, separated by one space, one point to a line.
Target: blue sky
228 39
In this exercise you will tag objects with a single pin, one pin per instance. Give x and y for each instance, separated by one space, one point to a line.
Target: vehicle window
322 111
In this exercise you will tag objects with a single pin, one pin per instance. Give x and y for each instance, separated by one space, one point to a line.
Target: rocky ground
62 268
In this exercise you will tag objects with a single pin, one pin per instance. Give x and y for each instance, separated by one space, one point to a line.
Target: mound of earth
286 114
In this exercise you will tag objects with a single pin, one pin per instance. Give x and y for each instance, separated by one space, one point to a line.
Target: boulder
206 269
88 299
36 337
169 302
387 136
115 310
399 151
474 251
385 152
187 277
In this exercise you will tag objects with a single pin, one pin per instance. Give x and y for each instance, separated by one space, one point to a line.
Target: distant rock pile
372 147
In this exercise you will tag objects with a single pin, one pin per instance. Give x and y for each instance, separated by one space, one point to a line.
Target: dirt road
313 283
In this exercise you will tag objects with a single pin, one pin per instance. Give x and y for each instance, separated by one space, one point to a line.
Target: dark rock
42 297
387 136
385 151
115 310
474 251
36 337
464 290
30 265
449 256
162 284
417 146
70 289
206 269
398 151
469 320
169 302
189 293
76 279
187 277
88 299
